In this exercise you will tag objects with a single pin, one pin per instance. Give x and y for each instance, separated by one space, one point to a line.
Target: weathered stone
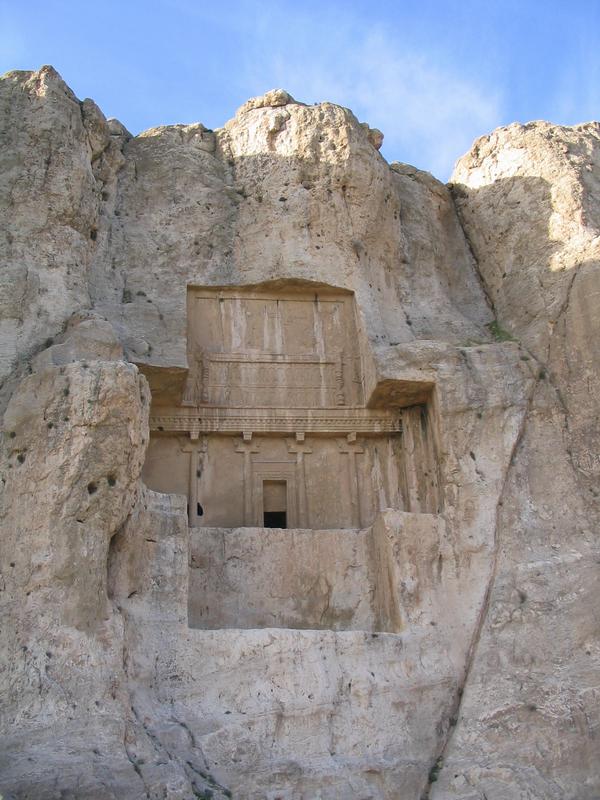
73 447
530 200
271 99
88 337
406 371
374 135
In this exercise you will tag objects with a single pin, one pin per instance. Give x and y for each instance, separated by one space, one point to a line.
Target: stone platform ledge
335 579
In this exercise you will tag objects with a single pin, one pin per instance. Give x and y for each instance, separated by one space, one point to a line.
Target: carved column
350 446
196 447
247 448
300 449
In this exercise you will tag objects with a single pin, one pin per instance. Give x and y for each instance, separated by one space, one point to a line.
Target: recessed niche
285 461
274 504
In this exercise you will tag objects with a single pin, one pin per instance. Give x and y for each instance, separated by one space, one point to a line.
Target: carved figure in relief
195 391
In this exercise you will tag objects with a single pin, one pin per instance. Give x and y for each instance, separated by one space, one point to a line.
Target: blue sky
433 75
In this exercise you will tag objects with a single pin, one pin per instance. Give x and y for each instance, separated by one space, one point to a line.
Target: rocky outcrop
74 438
57 156
530 203
482 292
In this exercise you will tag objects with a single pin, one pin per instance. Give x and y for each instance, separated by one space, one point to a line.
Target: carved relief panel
271 350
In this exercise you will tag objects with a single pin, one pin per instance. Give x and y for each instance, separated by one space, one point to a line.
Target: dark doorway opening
275 519
275 504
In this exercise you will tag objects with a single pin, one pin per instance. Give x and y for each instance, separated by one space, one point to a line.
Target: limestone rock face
56 155
529 198
73 447
445 647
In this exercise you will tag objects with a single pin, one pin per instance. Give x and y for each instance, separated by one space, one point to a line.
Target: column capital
246 446
296 446
192 444
350 446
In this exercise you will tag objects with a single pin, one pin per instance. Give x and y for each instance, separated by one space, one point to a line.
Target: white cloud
429 112
577 95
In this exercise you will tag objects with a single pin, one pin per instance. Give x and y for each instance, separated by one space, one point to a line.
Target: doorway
275 504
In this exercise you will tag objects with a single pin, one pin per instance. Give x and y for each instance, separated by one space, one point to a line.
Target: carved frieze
234 421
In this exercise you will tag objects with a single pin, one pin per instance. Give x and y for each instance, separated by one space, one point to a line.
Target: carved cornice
234 421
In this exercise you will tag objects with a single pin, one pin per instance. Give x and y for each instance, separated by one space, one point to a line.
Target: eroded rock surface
467 666
530 202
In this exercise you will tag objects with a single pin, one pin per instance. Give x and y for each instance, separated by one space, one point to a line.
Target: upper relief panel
255 348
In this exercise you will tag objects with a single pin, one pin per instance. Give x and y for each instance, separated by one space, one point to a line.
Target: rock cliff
474 301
